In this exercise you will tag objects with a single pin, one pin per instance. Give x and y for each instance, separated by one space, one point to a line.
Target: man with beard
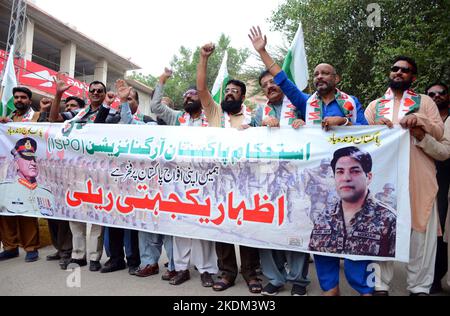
231 113
418 113
23 196
23 112
201 253
278 111
328 106
440 151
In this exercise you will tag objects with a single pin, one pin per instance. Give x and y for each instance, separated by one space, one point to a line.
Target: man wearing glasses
230 113
419 114
90 114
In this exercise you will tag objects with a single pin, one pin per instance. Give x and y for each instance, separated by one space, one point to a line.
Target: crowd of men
426 119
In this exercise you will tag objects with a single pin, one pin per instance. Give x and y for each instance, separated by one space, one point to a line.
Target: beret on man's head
362 157
25 148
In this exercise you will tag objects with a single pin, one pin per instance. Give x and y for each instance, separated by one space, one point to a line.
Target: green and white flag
295 64
8 83
218 90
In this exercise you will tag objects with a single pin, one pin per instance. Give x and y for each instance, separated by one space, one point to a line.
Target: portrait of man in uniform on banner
24 195
358 223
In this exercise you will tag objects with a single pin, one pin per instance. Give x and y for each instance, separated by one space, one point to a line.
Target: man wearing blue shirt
329 107
336 107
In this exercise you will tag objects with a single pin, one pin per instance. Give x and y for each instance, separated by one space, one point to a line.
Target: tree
184 66
337 32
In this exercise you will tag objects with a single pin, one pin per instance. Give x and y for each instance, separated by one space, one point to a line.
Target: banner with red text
342 193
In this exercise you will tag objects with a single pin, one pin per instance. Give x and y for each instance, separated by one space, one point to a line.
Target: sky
151 32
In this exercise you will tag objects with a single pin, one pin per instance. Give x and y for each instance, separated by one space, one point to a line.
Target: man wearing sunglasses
23 196
97 96
418 113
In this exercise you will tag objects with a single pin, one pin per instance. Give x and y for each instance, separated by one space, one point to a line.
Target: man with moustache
201 253
440 151
358 224
279 266
91 114
328 106
278 111
23 111
231 113
419 114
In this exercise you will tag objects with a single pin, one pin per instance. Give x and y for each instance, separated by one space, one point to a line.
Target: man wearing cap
25 197
357 225
387 196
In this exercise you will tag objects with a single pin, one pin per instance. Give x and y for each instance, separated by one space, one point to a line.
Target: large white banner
342 193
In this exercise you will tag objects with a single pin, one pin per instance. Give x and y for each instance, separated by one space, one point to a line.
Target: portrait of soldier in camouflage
358 224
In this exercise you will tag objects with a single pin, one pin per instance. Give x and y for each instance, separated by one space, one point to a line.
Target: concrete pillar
101 71
27 45
68 56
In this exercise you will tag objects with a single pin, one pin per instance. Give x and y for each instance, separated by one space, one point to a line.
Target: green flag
295 64
218 91
8 83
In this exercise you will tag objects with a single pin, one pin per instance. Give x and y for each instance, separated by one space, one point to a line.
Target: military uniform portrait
358 223
23 195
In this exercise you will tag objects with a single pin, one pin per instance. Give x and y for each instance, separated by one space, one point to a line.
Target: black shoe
436 288
53 257
64 263
114 266
94 266
298 290
271 290
9 254
79 262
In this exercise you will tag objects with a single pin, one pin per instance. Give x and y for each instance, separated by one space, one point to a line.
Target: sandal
220 286
254 286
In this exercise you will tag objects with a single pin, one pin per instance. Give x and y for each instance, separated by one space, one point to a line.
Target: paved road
46 278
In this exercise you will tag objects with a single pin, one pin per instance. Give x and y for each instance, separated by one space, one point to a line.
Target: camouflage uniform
372 231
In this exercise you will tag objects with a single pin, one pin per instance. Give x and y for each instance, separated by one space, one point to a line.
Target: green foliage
184 66
337 32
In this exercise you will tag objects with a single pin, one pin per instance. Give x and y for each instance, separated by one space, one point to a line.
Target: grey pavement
18 278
